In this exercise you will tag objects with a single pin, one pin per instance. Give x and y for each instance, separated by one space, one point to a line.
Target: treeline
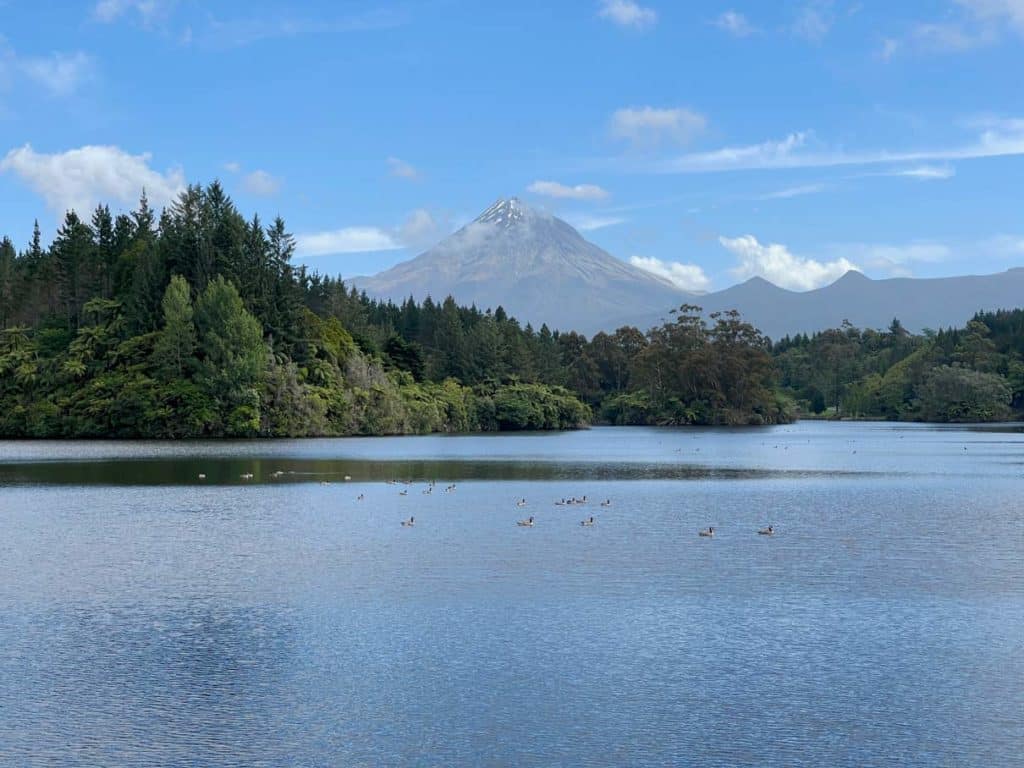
685 371
194 322
975 373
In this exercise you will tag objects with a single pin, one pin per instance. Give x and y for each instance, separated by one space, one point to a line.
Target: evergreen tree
175 346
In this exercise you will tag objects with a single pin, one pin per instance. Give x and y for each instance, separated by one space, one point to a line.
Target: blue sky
707 141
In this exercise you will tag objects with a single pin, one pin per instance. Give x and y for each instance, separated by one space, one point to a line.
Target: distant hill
918 303
536 266
541 270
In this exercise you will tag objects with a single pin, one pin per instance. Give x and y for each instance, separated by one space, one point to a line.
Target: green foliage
971 374
954 393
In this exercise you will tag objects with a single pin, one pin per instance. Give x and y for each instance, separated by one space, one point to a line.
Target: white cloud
261 183
805 189
894 259
402 170
926 172
562 191
81 178
588 223
148 11
346 240
997 138
59 73
421 229
890 47
1005 246
777 264
984 22
236 32
734 23
232 167
649 126
898 259
627 13
1010 11
688 277
949 37
814 20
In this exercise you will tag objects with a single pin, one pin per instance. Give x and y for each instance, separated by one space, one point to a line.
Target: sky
708 142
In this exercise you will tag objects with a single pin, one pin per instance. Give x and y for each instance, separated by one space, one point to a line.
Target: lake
152 617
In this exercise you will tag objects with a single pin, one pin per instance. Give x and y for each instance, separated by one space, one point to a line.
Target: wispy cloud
79 179
403 170
777 264
688 277
239 32
997 138
261 184
626 13
997 11
565 192
736 24
924 172
147 11
980 23
586 222
422 229
58 73
651 126
419 230
901 259
346 240
1005 246
814 20
893 260
799 191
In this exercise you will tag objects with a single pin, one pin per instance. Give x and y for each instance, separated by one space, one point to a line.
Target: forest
194 322
969 374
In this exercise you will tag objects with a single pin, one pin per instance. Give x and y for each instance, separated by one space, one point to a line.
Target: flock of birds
528 522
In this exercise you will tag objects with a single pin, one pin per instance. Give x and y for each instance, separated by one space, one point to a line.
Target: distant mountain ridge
541 270
919 303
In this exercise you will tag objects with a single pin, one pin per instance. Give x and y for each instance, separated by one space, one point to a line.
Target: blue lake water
150 617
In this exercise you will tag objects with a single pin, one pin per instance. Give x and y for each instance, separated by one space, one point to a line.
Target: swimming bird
409 523
359 497
606 503
403 493
587 522
247 476
202 476
709 532
769 531
521 503
527 523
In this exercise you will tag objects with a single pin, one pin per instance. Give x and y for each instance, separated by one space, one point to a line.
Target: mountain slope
536 266
918 303
541 270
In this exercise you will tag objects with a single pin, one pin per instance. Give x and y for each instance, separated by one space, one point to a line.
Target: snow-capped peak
505 212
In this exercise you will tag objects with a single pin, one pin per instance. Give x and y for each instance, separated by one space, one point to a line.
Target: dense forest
195 322
975 373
